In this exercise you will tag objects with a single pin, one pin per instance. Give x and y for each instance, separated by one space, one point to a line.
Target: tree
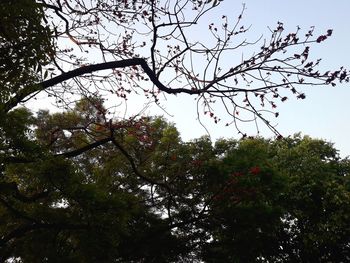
291 205
69 207
84 185
114 48
25 46
319 197
143 195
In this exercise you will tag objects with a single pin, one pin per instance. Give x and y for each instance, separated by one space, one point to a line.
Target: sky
325 112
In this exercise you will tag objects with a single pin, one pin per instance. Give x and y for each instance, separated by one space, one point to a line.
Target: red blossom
255 170
321 38
237 174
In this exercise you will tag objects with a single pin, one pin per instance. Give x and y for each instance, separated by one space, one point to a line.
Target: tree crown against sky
122 48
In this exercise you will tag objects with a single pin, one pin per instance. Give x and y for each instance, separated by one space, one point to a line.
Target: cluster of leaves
106 195
25 45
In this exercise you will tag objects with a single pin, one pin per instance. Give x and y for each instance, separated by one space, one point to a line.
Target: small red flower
255 170
321 38
237 174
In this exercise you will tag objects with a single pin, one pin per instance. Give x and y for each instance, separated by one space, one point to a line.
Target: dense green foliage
146 196
25 45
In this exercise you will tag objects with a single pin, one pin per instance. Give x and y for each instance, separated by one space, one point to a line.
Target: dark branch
136 171
86 148
24 229
13 188
28 90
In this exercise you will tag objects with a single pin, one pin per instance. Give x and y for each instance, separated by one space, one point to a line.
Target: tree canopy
135 192
85 184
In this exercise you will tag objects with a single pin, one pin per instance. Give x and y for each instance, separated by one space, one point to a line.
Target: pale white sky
325 113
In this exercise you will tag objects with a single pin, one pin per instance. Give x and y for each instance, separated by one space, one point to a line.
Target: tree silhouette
116 48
